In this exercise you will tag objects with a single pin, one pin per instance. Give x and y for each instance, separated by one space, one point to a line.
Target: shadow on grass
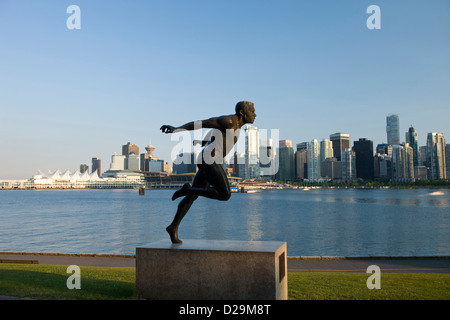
53 286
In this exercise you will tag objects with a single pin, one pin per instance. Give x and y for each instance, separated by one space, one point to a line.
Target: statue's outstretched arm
221 123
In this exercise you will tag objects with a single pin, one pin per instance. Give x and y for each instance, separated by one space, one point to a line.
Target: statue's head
246 110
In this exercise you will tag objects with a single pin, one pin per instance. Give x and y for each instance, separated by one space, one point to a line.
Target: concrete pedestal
212 270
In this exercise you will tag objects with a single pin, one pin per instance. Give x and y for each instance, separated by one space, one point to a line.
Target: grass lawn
49 282
352 286
105 283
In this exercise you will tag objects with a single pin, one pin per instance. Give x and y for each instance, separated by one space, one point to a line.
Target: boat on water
436 193
237 190
243 190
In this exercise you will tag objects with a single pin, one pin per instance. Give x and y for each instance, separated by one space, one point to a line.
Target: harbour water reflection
320 222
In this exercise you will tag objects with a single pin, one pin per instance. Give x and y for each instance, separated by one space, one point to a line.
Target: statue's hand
167 129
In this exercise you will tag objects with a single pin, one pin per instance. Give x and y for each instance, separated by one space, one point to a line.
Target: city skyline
312 70
317 152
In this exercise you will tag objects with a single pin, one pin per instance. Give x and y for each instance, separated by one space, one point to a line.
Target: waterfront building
130 148
330 168
423 156
301 161
398 163
185 163
83 168
97 166
409 161
384 148
285 143
252 170
402 163
113 179
348 165
154 165
411 139
132 162
363 149
117 162
382 166
238 164
436 156
314 160
167 167
340 141
267 160
149 154
65 179
326 151
393 129
286 160
447 160
420 173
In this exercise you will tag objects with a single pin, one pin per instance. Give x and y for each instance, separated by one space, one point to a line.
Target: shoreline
260 188
131 256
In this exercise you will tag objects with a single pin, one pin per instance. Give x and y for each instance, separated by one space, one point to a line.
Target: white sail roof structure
55 175
94 176
41 178
65 175
75 176
39 175
84 176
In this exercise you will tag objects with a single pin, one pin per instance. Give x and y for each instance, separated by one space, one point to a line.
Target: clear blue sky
312 68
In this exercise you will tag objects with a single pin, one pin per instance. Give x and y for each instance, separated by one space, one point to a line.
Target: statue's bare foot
181 192
173 234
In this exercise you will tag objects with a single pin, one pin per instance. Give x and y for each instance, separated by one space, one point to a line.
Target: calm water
330 222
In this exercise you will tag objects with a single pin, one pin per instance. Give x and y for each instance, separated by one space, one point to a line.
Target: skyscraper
398 162
409 161
129 148
447 159
238 164
251 152
402 162
393 129
384 148
117 162
286 160
423 161
132 162
326 149
97 166
326 152
314 160
411 138
285 143
301 161
363 149
330 168
382 166
153 165
185 163
267 158
348 165
436 156
340 141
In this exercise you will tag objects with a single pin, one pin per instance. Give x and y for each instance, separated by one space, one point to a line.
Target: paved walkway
97 260
398 265
303 264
